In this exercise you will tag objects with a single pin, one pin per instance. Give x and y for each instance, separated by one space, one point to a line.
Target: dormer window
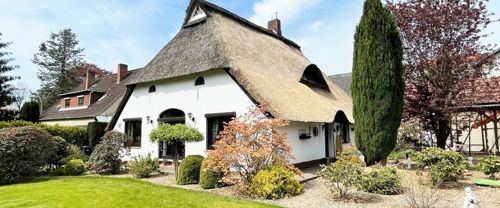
197 14
313 77
67 102
152 89
199 81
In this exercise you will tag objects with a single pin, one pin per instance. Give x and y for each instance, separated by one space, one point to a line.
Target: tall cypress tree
377 82
6 96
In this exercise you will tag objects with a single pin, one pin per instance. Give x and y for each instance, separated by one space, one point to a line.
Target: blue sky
132 32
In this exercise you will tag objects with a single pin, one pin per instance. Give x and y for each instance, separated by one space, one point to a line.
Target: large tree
6 96
442 51
377 82
58 59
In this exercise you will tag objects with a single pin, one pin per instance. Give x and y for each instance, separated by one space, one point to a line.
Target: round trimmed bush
381 180
74 167
275 183
189 171
24 151
210 179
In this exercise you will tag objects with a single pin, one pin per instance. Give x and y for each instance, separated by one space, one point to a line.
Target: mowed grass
109 192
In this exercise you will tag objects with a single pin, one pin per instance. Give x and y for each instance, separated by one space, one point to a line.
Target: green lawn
109 192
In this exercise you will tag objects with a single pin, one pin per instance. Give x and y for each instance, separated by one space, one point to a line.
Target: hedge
189 172
72 134
95 131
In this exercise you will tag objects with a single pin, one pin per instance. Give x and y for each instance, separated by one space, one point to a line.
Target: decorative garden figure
470 200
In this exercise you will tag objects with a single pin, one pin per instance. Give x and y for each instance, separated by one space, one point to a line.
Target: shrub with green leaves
61 152
444 165
189 171
24 151
401 154
95 131
106 158
74 167
489 165
210 179
275 182
341 176
143 166
381 180
72 134
75 152
434 155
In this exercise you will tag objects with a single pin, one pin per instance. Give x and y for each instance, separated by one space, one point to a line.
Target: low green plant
74 167
210 179
143 166
74 152
274 183
341 176
401 154
106 158
381 180
189 171
434 155
446 171
489 165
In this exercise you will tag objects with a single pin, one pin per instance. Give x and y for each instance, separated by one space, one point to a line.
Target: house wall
220 94
476 137
306 150
73 102
69 122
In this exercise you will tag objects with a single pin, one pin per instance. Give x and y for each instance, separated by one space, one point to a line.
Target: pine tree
377 85
30 111
59 59
6 96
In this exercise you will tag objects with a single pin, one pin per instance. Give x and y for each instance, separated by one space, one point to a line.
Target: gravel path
316 194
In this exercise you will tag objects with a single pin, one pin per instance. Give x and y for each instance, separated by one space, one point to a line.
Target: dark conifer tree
377 85
6 96
30 111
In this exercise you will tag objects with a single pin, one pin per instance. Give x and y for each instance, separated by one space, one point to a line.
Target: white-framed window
197 14
81 100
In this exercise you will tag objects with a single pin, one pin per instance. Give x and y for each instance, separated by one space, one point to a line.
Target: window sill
135 147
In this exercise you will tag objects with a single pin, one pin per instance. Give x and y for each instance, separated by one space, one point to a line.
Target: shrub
74 167
490 165
143 166
61 152
95 131
30 111
341 176
446 171
189 172
72 134
74 152
106 158
24 151
210 179
274 183
401 154
434 155
381 180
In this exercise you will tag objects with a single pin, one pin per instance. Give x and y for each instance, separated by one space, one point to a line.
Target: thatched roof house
268 66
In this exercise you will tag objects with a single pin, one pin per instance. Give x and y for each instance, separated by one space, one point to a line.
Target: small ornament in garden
470 160
407 163
470 200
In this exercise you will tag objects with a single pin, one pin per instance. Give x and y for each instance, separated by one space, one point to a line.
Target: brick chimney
274 26
122 72
89 79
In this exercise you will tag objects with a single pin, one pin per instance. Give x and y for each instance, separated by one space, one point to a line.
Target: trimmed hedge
189 172
24 151
95 131
72 134
210 179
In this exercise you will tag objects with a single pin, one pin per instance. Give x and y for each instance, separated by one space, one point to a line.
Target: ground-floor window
215 124
344 133
133 129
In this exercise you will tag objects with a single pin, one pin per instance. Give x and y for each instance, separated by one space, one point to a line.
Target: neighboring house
343 81
215 68
95 99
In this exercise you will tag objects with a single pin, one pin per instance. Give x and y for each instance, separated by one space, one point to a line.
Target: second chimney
274 26
122 72
89 79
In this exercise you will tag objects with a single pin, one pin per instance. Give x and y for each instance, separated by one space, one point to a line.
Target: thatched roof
268 66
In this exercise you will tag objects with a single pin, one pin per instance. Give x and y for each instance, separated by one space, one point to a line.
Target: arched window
172 116
199 81
152 89
313 77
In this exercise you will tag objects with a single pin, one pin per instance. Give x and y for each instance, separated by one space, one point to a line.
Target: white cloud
265 10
